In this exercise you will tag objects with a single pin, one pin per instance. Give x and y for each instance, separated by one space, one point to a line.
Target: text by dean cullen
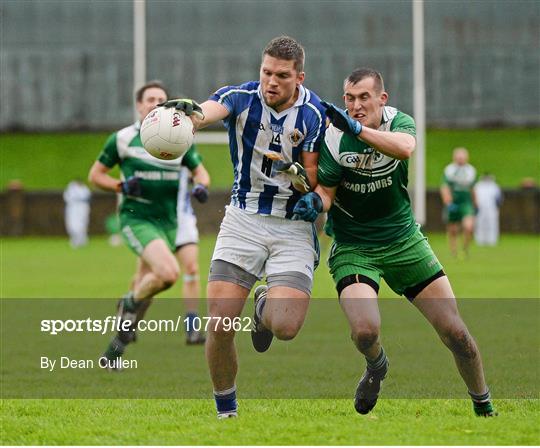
64 362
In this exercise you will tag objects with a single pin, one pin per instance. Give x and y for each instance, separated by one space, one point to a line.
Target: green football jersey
160 178
460 179
372 205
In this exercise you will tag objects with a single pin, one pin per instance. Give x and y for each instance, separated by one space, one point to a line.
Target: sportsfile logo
109 324
114 324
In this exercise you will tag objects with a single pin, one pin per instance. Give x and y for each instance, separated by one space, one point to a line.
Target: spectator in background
77 212
457 194
488 200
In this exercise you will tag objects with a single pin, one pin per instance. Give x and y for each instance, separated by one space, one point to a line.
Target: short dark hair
285 47
139 93
361 73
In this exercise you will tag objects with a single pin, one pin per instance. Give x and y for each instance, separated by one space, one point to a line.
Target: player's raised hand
131 186
296 172
308 207
186 105
341 120
200 192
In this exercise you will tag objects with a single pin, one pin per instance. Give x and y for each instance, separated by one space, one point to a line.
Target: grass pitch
309 381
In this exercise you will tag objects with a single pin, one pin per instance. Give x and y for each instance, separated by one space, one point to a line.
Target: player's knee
364 337
191 270
168 275
286 331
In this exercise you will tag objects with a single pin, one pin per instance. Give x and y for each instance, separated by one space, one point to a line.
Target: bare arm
201 176
213 111
310 162
398 145
327 194
446 194
99 177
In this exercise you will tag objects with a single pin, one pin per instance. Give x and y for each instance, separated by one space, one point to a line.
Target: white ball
167 133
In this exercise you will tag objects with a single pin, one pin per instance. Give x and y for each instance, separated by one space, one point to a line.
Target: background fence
42 213
68 64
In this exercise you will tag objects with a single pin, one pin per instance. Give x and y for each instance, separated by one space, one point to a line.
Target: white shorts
187 232
266 245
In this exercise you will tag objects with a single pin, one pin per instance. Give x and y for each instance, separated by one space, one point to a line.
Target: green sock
115 349
482 404
379 362
129 302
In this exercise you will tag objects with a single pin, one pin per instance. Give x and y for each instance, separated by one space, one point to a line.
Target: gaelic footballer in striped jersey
275 127
363 176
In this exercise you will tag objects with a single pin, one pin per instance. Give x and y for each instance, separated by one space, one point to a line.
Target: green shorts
405 265
463 210
138 233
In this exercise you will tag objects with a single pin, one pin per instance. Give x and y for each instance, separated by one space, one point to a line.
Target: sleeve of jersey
403 123
192 159
315 124
444 178
109 155
234 98
329 172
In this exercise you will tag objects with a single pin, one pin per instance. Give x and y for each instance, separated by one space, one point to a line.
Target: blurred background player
187 249
363 176
147 212
488 200
77 212
457 194
272 124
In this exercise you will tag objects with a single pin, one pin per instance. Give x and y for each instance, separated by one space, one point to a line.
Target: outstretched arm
213 112
398 145
99 177
201 115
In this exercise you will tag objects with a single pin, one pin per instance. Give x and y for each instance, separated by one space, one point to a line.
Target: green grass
308 382
50 161
508 270
509 154
268 422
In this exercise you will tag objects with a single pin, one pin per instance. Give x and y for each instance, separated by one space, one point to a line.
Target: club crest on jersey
296 137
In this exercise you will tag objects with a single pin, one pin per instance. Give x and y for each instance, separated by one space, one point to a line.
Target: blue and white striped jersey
255 130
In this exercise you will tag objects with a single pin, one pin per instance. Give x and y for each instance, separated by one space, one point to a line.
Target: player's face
461 157
364 103
150 99
279 82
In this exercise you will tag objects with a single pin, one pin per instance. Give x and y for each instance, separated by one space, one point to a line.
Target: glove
308 207
296 172
452 208
189 107
200 192
341 120
131 186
